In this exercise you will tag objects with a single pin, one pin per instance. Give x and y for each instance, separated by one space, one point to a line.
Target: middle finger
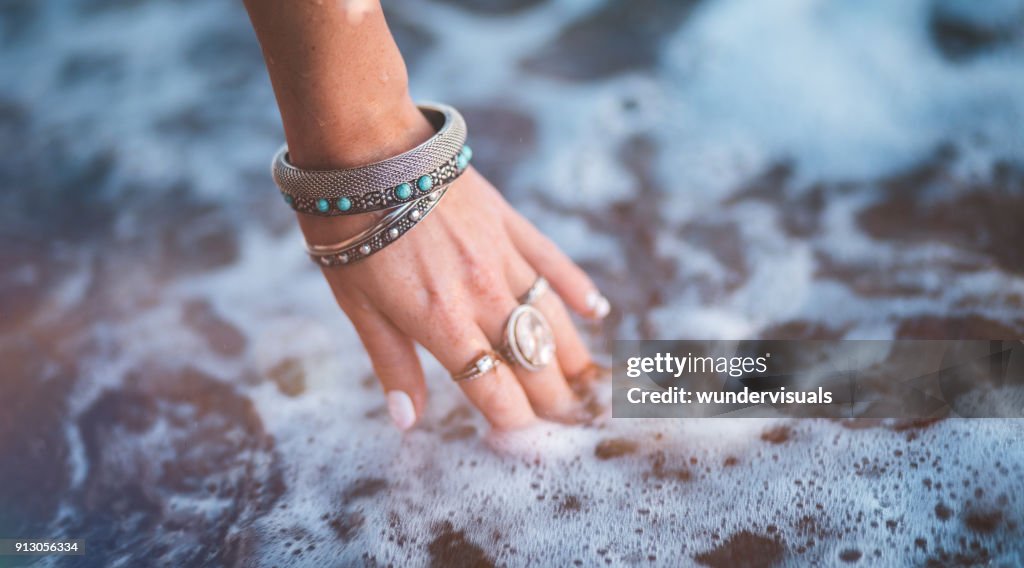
548 392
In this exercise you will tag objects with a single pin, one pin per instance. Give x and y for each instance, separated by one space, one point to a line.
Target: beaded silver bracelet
389 183
374 239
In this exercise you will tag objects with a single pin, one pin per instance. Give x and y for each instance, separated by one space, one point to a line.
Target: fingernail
598 304
403 413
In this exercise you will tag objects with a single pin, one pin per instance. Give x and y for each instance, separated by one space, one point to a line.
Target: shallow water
178 389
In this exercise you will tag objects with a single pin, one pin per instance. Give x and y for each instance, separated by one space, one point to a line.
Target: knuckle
448 317
353 302
428 299
481 278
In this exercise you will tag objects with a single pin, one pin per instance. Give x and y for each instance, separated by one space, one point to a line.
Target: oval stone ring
529 340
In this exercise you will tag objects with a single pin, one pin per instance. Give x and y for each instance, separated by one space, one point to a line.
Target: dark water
178 389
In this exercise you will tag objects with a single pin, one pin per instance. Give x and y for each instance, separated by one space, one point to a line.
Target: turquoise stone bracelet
390 183
393 226
386 198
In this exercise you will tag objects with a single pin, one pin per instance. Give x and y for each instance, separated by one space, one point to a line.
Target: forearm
340 83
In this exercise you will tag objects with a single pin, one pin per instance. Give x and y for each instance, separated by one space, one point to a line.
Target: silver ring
539 287
483 364
529 341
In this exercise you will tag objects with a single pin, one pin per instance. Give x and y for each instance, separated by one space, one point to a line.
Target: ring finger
549 392
573 356
457 343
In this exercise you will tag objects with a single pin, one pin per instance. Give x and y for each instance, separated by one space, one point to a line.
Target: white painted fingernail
598 304
403 413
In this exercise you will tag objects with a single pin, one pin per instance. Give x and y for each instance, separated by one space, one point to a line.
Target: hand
450 282
449 285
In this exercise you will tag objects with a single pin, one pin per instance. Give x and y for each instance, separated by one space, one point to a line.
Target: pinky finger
569 281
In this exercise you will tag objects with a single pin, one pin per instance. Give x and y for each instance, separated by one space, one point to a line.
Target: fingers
573 356
440 317
500 398
497 393
548 392
569 280
395 362
456 341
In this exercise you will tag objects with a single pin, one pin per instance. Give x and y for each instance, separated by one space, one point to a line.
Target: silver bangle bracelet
386 231
389 183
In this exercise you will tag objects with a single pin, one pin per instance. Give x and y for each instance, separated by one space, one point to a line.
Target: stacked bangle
385 184
408 185
383 233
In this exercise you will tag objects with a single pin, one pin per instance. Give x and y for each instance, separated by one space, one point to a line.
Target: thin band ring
484 363
539 287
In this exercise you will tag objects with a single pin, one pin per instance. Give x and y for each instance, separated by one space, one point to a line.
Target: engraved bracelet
386 231
385 184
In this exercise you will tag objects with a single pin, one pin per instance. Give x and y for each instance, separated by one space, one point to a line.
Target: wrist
359 136
376 132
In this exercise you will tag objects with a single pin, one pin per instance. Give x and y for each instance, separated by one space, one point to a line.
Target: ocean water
178 388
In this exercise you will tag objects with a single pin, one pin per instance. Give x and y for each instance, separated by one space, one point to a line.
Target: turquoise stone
403 191
425 183
344 204
322 205
287 198
461 161
467 152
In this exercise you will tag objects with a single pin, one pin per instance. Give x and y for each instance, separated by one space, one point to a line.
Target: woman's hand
450 285
452 281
